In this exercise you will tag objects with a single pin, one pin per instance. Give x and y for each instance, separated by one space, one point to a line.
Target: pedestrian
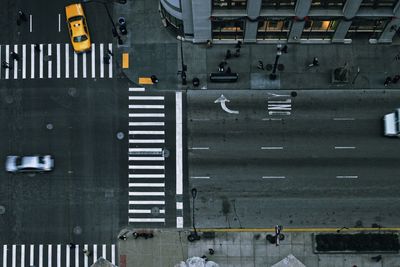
260 65
154 79
228 54
14 56
387 81
237 52
228 70
314 63
377 258
110 53
86 252
205 258
209 43
37 48
5 65
106 59
396 78
22 15
221 66
284 49
122 237
211 251
397 57
238 44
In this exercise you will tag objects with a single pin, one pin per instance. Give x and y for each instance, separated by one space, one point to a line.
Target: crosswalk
146 157
55 61
58 255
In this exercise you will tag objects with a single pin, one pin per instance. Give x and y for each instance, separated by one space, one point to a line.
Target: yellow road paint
125 60
145 80
298 230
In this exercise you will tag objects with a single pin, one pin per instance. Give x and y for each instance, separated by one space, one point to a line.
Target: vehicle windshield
81 38
75 18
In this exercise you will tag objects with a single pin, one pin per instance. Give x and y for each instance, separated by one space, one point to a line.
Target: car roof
30 161
74 10
77 28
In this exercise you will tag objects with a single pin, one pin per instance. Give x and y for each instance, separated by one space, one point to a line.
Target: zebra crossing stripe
4 255
66 60
161 220
104 254
77 255
137 176
32 61
31 255
49 254
41 62
14 256
93 60
160 123
110 65
67 259
146 98
58 61
94 253
59 255
102 61
86 262
40 255
23 61
84 65
7 60
113 254
49 63
22 255
75 65
15 62
136 89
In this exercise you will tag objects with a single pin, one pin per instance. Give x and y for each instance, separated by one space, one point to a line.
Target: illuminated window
230 4
273 28
316 28
279 3
227 29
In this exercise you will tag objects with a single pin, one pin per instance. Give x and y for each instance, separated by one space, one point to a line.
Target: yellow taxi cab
77 27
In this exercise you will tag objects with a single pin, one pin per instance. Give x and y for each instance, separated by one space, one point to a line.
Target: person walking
22 15
5 65
388 80
14 56
37 48
228 54
154 79
106 59
314 63
377 258
284 49
260 65
221 66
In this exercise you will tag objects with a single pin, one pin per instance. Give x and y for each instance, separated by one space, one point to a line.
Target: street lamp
272 76
183 70
193 235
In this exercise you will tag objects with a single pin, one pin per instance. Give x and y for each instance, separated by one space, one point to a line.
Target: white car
29 163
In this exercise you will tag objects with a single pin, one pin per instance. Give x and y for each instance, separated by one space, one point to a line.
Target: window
278 3
229 4
227 29
174 24
378 3
273 28
369 28
319 28
328 3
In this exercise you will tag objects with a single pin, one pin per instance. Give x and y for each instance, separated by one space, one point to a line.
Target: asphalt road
314 160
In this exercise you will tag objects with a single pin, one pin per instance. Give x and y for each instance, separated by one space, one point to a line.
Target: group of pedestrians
15 56
223 65
390 80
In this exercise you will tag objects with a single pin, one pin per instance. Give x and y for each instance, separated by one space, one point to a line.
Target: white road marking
84 65
101 60
113 254
41 61
93 56
146 98
179 205
146 115
22 255
16 63
31 255
179 146
30 23
274 177
146 193
199 119
272 147
32 61
146 220
199 148
146 202
272 119
136 89
343 119
146 106
77 255
7 70
67 255
147 132
94 253
14 256
4 255
147 158
146 184
59 255
59 22
144 176
146 167
66 60
86 258
49 256
146 141
145 149
75 65
143 211
285 113
161 123
58 61
200 177
179 222
40 255
103 253
110 74
345 147
49 63
347 176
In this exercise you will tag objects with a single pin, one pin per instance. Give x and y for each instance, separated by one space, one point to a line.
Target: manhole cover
155 211
120 135
2 210
165 153
49 126
77 230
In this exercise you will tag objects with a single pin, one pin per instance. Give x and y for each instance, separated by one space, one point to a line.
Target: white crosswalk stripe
146 175
48 61
55 255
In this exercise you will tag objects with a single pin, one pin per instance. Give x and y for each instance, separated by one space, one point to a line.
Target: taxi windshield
80 38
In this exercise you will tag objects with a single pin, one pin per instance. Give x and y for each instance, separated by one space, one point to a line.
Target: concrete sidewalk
154 50
170 246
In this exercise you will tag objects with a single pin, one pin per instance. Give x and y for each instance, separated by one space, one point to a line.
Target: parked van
391 124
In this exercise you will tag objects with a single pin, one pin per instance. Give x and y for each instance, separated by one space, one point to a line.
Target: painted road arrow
222 99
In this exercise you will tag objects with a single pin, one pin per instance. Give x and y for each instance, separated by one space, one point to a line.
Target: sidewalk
153 50
170 246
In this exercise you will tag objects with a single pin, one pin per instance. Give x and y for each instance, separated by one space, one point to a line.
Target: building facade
292 21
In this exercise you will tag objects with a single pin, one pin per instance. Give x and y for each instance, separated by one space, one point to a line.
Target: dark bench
223 77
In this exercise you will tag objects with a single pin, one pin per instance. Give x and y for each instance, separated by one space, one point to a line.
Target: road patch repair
356 243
